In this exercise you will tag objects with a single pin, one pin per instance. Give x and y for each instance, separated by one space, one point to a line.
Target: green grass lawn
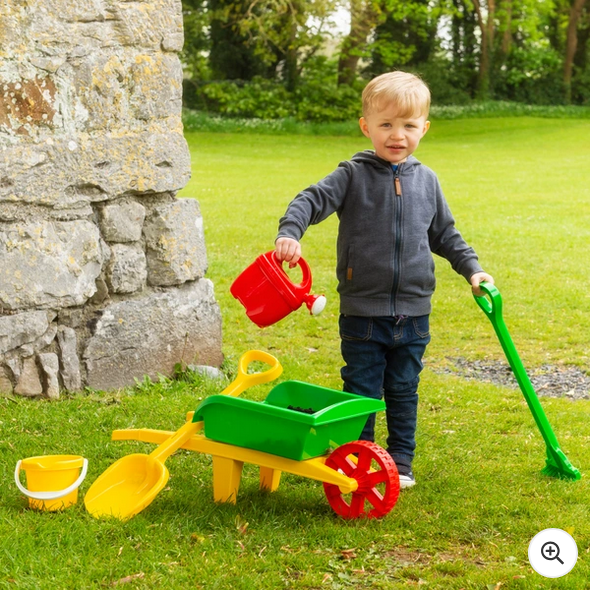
519 189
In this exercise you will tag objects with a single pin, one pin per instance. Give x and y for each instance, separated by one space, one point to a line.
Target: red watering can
268 294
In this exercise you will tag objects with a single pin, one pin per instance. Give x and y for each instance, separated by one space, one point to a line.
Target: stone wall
101 266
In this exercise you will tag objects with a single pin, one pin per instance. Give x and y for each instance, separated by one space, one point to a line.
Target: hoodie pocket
349 271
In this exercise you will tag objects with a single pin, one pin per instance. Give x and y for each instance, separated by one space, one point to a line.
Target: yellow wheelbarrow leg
269 478
226 479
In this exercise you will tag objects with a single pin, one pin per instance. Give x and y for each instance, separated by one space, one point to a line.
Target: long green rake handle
558 463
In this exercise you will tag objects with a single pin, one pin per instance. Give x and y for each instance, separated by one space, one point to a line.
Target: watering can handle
305 284
49 495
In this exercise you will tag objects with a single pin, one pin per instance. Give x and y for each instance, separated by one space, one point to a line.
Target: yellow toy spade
130 484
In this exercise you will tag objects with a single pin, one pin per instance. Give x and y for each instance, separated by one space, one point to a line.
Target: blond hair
406 91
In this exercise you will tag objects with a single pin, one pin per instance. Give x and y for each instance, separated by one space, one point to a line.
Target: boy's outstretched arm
476 279
288 250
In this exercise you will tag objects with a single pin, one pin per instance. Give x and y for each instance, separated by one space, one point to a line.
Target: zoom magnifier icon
550 551
553 553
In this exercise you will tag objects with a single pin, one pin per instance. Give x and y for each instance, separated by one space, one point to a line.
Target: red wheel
377 477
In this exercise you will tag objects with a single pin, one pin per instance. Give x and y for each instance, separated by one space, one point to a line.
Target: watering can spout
315 303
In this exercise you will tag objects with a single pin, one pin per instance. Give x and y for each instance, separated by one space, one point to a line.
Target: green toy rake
558 464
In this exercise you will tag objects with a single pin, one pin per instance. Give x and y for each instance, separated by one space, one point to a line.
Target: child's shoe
406 478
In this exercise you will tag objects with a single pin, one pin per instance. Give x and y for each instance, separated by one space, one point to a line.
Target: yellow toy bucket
52 480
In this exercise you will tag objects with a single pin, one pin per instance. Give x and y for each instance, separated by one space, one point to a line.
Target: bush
322 103
259 98
581 87
317 97
532 76
205 122
444 88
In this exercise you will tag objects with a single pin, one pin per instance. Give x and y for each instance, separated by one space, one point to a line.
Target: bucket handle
49 495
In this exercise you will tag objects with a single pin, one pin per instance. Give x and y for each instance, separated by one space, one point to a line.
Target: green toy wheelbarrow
299 428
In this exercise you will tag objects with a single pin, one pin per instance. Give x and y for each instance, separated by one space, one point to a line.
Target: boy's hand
476 279
288 250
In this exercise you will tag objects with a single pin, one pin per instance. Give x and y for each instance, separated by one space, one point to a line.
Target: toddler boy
392 216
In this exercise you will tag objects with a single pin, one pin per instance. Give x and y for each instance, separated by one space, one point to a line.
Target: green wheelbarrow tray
557 464
273 427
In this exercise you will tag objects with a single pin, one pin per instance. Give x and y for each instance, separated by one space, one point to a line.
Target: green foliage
507 109
406 37
259 98
316 98
265 46
233 55
532 76
441 78
201 121
252 38
319 98
196 41
581 87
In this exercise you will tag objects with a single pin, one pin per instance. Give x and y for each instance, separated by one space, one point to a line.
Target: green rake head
559 466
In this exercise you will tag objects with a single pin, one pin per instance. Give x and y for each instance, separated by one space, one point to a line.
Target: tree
571 44
487 30
464 46
233 55
196 40
284 33
532 51
365 15
526 66
581 61
406 38
512 35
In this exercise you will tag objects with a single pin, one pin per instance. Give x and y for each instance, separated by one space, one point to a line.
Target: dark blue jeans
383 357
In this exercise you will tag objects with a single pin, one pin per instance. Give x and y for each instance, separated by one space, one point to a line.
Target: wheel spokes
377 485
342 462
357 505
377 477
376 499
364 460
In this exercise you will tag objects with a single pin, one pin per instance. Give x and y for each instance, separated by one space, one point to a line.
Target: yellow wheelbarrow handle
244 380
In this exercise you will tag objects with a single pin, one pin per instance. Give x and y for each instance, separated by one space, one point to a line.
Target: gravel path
548 380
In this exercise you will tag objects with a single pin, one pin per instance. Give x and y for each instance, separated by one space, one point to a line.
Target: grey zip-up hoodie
389 225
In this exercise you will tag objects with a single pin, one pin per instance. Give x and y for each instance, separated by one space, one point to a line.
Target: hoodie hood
369 157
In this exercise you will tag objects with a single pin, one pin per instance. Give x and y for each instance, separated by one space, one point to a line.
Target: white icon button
553 553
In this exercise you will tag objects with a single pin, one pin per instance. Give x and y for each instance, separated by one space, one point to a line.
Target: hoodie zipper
397 186
397 183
